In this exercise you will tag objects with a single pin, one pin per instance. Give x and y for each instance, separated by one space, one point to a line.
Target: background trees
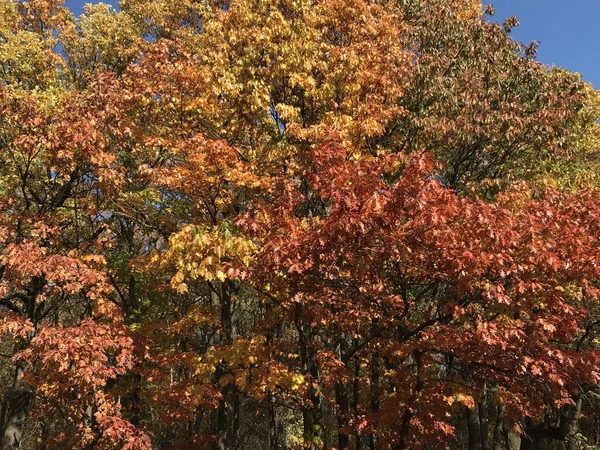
294 224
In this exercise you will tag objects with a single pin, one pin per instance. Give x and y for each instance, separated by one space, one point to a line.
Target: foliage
293 224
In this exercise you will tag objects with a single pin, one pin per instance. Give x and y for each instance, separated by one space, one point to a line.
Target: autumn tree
293 224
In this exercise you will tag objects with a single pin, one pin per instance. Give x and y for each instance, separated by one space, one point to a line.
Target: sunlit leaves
196 254
312 206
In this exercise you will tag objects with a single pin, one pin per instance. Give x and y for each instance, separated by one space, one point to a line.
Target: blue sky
77 5
569 31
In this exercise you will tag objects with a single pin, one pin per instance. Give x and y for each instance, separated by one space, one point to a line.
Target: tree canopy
294 224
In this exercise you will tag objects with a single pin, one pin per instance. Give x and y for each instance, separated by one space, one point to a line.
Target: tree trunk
407 416
227 428
273 435
343 403
514 441
17 402
474 428
342 397
375 382
499 430
16 407
311 414
483 420
572 442
528 443
356 402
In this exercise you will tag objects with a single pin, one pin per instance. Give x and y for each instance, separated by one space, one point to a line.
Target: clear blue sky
569 31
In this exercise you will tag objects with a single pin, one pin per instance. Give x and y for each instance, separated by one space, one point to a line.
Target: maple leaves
474 286
78 362
66 362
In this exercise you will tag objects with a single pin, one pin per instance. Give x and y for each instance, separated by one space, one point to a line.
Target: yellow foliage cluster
198 253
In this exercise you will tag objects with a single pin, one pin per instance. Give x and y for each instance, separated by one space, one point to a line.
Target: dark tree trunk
356 402
342 397
273 435
407 416
498 430
483 420
270 401
528 442
474 428
375 382
312 421
341 393
227 427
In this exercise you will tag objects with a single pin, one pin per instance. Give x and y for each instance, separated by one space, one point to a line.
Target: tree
292 224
